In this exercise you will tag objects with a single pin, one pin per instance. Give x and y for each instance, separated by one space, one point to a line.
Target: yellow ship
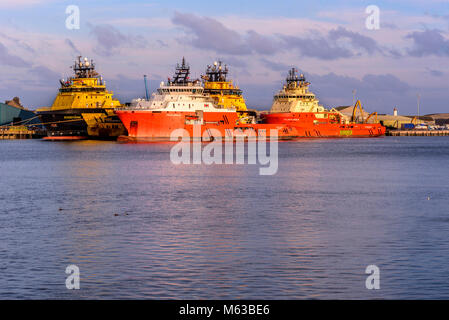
225 93
83 108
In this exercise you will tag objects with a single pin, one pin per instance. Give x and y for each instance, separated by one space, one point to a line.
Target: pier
20 132
417 133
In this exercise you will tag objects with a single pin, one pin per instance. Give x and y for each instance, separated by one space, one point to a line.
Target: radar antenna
216 73
293 80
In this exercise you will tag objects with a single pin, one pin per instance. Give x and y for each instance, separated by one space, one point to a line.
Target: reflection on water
140 227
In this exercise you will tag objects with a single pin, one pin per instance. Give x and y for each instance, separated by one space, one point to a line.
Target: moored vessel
83 107
225 93
181 103
297 106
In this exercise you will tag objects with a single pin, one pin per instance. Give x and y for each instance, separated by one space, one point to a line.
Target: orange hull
64 138
148 125
307 125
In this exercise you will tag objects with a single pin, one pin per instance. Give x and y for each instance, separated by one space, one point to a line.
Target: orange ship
182 104
296 106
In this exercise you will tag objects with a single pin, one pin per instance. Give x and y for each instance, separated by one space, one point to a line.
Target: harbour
417 133
224 160
102 117
21 132
85 109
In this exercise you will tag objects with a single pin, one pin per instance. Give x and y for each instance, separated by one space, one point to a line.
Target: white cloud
12 4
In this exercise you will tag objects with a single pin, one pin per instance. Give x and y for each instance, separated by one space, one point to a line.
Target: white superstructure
179 95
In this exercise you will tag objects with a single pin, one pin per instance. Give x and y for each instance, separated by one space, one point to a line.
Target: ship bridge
85 89
296 97
222 90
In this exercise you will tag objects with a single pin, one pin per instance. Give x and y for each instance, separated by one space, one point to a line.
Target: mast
84 68
293 80
182 73
216 73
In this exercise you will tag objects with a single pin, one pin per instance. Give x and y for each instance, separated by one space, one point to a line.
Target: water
138 226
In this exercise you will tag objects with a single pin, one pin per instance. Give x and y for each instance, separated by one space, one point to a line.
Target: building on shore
441 119
12 112
347 111
395 120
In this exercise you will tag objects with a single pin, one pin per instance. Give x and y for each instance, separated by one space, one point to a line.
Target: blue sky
259 40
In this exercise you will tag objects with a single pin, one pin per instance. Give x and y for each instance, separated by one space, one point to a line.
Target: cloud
44 74
210 34
428 42
377 92
435 73
162 43
72 46
11 60
317 47
110 40
8 4
18 42
384 83
357 40
235 62
275 66
126 88
337 43
261 44
391 26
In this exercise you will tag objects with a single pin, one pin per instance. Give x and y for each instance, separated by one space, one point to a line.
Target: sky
328 41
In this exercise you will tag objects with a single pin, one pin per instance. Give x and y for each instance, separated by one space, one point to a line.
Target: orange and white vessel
182 104
296 106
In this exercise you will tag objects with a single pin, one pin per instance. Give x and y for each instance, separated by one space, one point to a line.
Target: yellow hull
104 126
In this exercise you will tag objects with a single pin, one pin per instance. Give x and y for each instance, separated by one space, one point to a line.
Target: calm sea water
138 226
